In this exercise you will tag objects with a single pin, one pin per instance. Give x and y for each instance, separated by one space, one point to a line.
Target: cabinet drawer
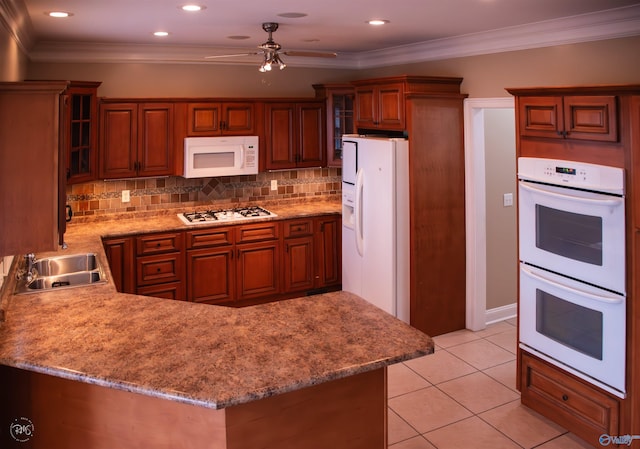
205 238
295 228
575 405
171 290
257 232
159 269
159 243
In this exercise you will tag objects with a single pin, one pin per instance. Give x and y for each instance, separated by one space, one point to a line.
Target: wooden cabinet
298 255
575 405
339 102
328 251
569 117
257 260
159 262
210 265
120 255
215 119
295 135
380 105
30 122
136 140
80 132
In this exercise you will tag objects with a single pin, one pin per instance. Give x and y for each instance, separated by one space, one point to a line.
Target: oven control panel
572 174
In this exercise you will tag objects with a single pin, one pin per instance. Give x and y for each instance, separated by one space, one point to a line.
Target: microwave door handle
600 298
242 157
611 202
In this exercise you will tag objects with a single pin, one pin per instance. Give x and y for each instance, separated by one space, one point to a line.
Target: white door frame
475 207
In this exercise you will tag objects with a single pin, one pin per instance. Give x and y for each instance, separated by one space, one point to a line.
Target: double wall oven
572 268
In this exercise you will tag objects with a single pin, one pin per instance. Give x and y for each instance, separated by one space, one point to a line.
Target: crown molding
15 18
609 24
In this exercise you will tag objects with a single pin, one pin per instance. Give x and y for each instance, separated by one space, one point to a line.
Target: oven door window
569 324
572 235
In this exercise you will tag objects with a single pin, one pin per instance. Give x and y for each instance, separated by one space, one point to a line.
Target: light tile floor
464 396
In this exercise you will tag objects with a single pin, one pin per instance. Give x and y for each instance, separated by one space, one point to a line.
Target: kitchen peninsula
91 367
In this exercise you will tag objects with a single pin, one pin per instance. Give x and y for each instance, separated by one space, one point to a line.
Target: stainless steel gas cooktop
224 215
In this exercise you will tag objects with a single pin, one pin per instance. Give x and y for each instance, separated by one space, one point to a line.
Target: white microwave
207 157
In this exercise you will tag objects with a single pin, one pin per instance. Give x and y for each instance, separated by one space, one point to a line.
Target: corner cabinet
597 125
136 139
31 178
294 134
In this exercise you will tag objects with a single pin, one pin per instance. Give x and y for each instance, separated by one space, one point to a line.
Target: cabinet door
391 107
328 257
366 107
340 107
541 117
120 256
591 118
81 119
238 119
298 264
311 135
280 136
211 275
258 269
118 140
155 139
203 119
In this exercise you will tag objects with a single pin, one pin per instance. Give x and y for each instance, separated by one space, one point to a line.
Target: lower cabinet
574 404
231 265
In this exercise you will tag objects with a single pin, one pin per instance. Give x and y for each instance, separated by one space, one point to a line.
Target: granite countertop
211 356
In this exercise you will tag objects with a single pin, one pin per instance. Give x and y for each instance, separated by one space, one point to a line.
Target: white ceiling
102 30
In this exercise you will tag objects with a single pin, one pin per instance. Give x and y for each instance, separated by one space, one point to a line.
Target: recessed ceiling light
192 7
161 33
378 22
238 38
58 14
292 15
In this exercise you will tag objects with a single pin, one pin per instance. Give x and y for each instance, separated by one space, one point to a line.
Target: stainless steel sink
54 266
60 272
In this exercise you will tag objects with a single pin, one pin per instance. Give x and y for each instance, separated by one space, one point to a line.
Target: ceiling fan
271 51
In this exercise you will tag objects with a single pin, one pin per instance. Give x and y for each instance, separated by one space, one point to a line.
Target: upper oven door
573 232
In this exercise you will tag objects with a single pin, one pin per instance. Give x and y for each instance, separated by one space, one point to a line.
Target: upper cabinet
380 103
30 181
569 117
136 139
216 119
294 134
339 102
79 133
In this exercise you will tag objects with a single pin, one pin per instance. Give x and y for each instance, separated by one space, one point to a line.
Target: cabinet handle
565 397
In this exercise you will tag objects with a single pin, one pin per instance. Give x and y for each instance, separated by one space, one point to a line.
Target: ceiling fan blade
253 53
310 54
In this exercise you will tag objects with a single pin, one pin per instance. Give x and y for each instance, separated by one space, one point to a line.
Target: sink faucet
29 262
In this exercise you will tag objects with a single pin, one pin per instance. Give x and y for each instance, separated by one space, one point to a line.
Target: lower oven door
575 326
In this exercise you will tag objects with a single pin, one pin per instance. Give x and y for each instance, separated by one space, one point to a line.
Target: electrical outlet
507 199
126 196
274 184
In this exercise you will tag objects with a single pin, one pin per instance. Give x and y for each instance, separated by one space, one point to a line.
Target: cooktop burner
224 215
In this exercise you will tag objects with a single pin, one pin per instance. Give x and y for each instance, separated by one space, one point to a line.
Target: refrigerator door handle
358 213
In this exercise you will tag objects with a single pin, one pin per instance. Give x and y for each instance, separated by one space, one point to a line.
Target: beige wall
613 61
14 61
500 169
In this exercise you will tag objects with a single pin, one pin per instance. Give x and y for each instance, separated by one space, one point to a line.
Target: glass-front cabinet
340 113
80 131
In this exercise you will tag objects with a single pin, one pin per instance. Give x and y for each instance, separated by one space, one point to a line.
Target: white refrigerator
375 221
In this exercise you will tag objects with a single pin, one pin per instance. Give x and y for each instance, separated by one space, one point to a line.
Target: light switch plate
507 199
274 184
126 196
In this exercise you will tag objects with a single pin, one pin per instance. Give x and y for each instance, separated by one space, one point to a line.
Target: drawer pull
565 397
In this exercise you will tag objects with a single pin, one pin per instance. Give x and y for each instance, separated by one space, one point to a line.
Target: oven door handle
600 298
609 202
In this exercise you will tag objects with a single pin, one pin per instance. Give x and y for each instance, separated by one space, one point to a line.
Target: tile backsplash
100 199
